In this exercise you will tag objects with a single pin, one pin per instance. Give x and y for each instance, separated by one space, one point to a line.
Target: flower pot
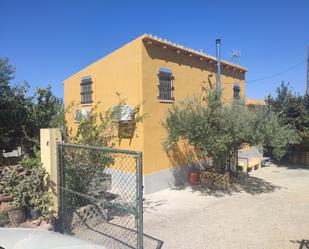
193 178
17 216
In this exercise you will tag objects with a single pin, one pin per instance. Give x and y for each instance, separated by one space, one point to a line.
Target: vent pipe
307 90
218 51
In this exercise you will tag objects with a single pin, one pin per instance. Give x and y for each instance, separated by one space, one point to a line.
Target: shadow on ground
303 244
241 183
150 206
292 165
115 236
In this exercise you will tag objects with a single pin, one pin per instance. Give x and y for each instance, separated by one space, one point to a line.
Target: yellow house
156 73
255 102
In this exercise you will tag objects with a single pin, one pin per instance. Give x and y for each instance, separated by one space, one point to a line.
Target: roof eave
165 43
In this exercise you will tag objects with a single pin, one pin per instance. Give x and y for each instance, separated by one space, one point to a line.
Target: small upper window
165 84
236 90
86 90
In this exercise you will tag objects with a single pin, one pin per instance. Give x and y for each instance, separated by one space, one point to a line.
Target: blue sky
48 41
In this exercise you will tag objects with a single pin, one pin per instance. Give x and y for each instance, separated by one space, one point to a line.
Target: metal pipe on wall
218 51
307 90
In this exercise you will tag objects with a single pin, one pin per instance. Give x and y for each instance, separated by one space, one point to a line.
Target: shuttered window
236 90
86 90
165 84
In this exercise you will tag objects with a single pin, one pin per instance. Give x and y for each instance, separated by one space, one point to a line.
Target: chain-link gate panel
101 195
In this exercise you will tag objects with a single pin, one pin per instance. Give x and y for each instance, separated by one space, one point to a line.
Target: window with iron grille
86 90
236 90
165 84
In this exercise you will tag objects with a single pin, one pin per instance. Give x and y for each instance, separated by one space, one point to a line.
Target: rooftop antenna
236 54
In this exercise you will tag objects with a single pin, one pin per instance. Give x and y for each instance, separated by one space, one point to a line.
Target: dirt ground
268 210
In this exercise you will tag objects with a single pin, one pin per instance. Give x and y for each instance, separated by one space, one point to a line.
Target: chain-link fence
101 195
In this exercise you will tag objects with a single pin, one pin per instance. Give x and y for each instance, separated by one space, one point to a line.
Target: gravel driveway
268 210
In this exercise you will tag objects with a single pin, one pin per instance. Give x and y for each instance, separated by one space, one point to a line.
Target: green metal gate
101 195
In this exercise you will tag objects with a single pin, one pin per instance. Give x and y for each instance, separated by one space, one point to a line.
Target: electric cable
272 75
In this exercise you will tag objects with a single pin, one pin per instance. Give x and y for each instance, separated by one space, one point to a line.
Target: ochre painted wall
120 72
133 71
190 73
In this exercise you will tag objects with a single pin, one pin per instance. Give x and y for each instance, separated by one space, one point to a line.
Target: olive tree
217 130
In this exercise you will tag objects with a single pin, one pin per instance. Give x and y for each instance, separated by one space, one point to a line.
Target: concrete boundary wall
167 178
48 142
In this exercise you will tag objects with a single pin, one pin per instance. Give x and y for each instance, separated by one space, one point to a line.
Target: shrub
32 162
26 187
15 187
4 219
94 129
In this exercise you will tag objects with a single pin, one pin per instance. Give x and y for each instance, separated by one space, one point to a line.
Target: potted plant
193 177
15 187
40 205
38 199
4 219
25 186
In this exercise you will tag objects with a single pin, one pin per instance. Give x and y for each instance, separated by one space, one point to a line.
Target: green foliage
38 198
6 74
27 189
217 130
41 202
273 132
57 119
32 162
21 115
4 219
294 109
101 128
14 185
13 108
95 129
45 111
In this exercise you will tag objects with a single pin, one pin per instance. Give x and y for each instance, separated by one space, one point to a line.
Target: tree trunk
218 163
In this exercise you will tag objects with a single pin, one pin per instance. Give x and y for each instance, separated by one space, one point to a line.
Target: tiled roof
192 51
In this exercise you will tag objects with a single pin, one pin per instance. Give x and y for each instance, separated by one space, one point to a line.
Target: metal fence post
139 182
60 185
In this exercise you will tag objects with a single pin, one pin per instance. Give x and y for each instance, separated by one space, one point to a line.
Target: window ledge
166 101
86 104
